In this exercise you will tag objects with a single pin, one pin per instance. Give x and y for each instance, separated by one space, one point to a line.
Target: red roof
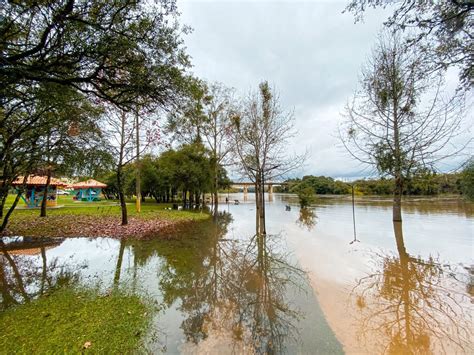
39 180
91 183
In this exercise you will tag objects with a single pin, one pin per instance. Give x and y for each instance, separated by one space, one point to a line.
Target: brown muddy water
310 287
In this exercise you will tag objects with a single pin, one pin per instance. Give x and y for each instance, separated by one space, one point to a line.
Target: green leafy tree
192 171
422 183
205 117
61 125
117 53
125 55
306 196
320 185
467 179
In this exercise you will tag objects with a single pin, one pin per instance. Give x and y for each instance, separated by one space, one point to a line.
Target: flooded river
313 286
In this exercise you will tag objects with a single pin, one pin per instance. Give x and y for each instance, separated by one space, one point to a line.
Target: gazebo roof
91 183
38 180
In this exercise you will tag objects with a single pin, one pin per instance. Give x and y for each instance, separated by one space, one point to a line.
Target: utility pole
137 178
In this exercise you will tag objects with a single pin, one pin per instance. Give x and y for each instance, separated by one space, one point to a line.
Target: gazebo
35 185
89 190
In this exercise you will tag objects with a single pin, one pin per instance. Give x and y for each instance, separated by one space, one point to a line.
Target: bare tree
205 116
261 134
216 131
442 29
122 124
124 130
146 131
400 120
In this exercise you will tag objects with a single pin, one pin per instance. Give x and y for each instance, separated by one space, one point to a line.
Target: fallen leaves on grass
90 226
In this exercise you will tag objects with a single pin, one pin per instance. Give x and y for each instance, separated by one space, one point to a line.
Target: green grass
67 206
73 218
67 319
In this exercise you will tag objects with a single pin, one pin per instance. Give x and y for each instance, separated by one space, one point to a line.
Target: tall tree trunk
262 209
259 204
123 205
13 206
138 182
398 168
6 181
398 188
45 194
216 184
397 200
3 199
48 179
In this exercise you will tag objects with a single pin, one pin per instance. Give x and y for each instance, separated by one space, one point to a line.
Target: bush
306 196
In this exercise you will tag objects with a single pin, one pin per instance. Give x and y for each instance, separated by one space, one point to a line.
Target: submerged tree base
71 321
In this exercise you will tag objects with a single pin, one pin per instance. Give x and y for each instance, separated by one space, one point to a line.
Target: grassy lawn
102 218
71 321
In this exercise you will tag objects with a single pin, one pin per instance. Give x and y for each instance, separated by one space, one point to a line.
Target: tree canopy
118 53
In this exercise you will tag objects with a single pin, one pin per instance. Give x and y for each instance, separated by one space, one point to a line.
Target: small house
35 186
89 190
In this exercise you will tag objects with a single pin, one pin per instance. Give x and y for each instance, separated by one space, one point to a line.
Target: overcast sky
309 51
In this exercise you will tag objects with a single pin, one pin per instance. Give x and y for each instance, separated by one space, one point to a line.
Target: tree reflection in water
307 218
232 291
263 312
21 279
413 306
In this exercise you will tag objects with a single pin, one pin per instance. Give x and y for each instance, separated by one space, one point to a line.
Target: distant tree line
429 184
320 185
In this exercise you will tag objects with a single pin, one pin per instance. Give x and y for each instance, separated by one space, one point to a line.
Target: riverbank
100 219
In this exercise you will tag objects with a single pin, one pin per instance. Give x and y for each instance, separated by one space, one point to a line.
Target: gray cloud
310 51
